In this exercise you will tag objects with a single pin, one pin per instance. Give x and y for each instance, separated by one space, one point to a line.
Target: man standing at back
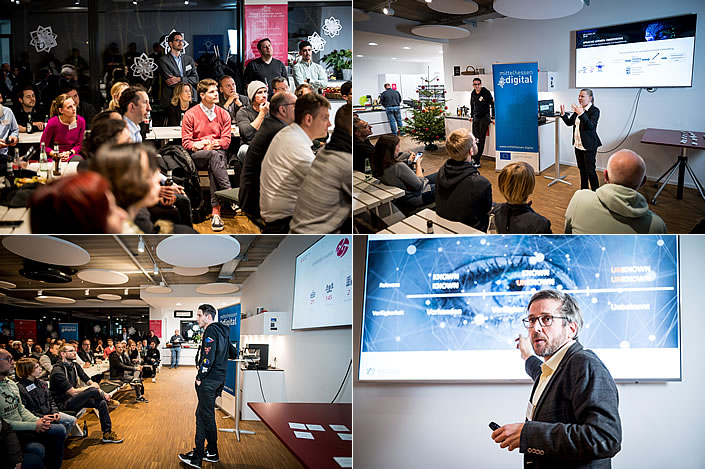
265 68
308 71
481 110
176 67
212 364
391 100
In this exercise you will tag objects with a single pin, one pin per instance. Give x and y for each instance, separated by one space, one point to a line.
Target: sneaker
141 399
154 380
113 403
217 223
211 456
476 164
190 460
111 437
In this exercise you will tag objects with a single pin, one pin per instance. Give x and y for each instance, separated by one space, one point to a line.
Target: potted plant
340 61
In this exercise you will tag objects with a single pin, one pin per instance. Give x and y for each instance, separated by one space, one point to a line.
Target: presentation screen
450 308
647 54
323 284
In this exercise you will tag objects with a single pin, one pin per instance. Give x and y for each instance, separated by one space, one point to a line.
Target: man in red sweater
205 132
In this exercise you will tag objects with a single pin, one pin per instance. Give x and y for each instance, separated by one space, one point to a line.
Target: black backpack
184 173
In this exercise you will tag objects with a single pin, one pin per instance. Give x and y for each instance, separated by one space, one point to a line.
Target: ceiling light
77 2
88 291
127 291
185 2
371 43
140 245
388 10
429 1
359 55
178 304
40 292
406 47
394 58
156 269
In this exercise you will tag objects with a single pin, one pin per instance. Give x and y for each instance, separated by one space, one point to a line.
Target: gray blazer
167 67
576 421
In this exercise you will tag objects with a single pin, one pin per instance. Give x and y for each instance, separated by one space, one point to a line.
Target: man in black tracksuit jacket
211 363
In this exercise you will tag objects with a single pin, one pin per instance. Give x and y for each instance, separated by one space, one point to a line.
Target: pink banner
26 329
156 326
266 21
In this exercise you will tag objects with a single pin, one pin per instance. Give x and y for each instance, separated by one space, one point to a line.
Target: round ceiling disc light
103 276
193 251
190 271
217 288
159 289
109 297
4 284
454 7
47 249
59 300
440 31
133 303
537 9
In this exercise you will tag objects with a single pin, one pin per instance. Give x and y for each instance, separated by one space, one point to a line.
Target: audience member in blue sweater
516 183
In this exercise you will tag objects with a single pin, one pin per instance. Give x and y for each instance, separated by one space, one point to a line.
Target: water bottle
85 429
10 175
55 155
57 166
43 163
16 161
149 122
181 121
492 227
29 123
169 179
429 226
368 168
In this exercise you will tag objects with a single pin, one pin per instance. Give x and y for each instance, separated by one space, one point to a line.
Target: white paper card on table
345 436
338 428
343 461
304 435
315 427
297 426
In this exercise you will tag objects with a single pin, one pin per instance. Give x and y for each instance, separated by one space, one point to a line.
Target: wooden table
20 215
319 452
67 167
674 138
157 133
417 224
370 194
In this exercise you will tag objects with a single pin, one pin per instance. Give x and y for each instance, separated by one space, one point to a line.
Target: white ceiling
390 47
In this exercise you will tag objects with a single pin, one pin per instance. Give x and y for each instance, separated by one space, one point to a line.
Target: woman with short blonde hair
516 183
115 93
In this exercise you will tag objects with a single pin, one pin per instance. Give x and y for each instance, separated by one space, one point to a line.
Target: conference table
683 139
157 133
325 431
418 224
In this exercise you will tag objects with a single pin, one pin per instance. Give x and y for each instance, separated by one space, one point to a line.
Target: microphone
493 426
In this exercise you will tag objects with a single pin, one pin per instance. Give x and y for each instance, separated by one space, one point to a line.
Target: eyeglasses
546 320
178 40
8 359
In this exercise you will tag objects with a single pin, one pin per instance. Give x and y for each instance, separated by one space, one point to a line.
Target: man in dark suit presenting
585 140
175 67
572 419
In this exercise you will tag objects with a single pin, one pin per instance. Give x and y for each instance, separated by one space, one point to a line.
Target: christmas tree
427 124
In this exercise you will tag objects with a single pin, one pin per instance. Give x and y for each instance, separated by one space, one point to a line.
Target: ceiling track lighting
156 269
127 291
40 292
185 2
140 245
88 291
388 10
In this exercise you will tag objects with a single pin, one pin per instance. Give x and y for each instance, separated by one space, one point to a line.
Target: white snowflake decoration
332 27
317 42
143 67
50 328
165 43
131 331
43 39
96 329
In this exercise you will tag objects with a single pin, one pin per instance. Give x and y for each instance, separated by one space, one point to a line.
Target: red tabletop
672 138
319 452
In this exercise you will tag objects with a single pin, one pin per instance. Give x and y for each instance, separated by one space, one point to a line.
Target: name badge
482 98
31 387
529 411
73 125
188 67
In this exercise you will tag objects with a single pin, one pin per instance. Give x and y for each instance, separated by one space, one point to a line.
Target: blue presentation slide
440 299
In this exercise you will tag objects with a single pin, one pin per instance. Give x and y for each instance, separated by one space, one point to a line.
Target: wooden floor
156 432
551 202
234 224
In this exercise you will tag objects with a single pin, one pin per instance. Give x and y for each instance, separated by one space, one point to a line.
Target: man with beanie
206 132
249 118
212 365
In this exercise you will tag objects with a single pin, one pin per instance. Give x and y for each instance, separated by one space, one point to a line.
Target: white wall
314 361
549 43
367 71
445 425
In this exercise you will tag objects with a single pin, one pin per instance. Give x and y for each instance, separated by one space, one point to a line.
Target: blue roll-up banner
68 330
515 97
230 316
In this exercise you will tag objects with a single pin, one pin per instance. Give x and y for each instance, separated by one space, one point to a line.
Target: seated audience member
281 114
83 109
249 118
115 92
462 194
362 148
324 203
288 159
122 370
134 107
35 434
206 134
37 352
302 89
106 131
66 394
86 354
230 99
16 350
516 183
181 101
64 128
616 207
133 175
308 71
9 133
48 360
346 92
35 394
280 84
153 358
18 456
79 203
99 348
394 169
26 110
105 115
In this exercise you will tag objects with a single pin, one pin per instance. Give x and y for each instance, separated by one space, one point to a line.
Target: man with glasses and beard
572 419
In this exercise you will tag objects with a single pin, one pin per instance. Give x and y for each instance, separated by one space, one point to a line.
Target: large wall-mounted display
655 53
450 308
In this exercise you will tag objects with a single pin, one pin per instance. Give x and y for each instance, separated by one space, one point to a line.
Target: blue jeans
175 353
394 116
67 421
